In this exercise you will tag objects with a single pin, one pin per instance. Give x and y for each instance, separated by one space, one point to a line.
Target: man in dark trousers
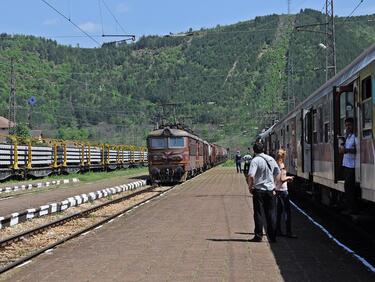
348 163
263 170
247 160
238 162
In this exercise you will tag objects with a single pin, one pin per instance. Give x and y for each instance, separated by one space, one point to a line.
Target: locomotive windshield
176 142
163 143
158 143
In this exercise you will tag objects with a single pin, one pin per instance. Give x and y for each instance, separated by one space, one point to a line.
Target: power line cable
113 16
101 16
352 12
69 20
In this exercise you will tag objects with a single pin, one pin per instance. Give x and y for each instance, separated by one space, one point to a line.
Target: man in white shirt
263 170
348 163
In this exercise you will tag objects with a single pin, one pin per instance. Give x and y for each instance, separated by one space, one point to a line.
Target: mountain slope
228 81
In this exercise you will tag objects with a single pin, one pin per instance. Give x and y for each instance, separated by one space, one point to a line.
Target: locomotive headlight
176 158
157 158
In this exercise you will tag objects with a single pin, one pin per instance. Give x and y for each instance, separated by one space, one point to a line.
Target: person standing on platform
247 159
263 170
282 197
348 163
238 160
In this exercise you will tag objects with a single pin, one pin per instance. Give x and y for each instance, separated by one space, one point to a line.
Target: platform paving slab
197 232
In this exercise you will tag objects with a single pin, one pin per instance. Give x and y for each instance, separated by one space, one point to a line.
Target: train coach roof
345 75
172 132
267 132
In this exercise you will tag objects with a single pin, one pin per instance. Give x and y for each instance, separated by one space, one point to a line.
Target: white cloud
90 26
122 8
54 21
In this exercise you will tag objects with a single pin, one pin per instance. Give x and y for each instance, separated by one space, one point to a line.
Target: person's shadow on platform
232 240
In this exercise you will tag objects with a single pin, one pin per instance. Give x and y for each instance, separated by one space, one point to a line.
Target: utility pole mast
330 41
12 98
289 7
291 99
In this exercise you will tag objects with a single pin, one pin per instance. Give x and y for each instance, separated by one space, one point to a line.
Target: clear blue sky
144 17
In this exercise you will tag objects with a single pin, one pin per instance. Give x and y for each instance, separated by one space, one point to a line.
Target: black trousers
283 211
246 168
349 186
238 167
266 201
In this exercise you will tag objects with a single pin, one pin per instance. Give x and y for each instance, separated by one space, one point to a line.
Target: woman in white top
283 203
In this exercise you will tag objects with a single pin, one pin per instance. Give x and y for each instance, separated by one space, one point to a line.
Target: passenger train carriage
174 155
314 130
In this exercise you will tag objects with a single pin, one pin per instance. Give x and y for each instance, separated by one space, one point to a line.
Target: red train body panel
175 155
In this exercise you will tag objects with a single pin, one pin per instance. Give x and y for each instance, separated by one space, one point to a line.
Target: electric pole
330 41
291 99
12 98
289 7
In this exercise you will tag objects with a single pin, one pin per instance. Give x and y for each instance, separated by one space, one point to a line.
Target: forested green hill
229 81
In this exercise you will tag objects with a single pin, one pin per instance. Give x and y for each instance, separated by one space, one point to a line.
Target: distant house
4 125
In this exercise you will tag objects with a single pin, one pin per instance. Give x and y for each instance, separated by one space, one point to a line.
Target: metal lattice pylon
330 41
12 99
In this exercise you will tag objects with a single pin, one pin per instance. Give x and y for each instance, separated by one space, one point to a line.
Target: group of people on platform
268 183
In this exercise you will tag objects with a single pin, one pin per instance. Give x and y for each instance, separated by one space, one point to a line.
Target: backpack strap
266 162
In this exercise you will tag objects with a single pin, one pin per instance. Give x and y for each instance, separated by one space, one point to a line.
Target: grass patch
228 163
94 176
85 177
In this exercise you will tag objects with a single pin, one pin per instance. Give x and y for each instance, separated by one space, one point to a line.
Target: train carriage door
306 140
343 107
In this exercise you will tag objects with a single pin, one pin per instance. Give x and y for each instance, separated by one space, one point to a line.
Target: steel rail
68 218
61 221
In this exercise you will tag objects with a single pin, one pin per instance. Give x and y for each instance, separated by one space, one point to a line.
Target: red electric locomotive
176 154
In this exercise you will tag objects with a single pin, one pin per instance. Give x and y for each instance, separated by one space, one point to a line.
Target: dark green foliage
21 130
230 80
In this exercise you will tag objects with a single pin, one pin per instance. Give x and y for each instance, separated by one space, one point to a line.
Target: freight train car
175 154
25 158
313 132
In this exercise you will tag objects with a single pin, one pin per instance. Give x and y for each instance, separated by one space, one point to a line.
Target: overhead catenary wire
113 16
101 16
69 20
352 12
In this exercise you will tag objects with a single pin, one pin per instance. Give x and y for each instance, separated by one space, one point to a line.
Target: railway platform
199 231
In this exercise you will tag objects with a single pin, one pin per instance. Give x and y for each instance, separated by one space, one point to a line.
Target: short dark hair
349 120
258 148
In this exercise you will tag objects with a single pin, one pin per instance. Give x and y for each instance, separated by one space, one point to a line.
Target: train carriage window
326 120
315 127
321 126
158 143
307 127
342 113
366 107
326 132
176 142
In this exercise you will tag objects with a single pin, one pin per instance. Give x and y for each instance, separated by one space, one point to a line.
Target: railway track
22 247
357 233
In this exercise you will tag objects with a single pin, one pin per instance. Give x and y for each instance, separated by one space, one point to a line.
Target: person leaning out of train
348 163
283 213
